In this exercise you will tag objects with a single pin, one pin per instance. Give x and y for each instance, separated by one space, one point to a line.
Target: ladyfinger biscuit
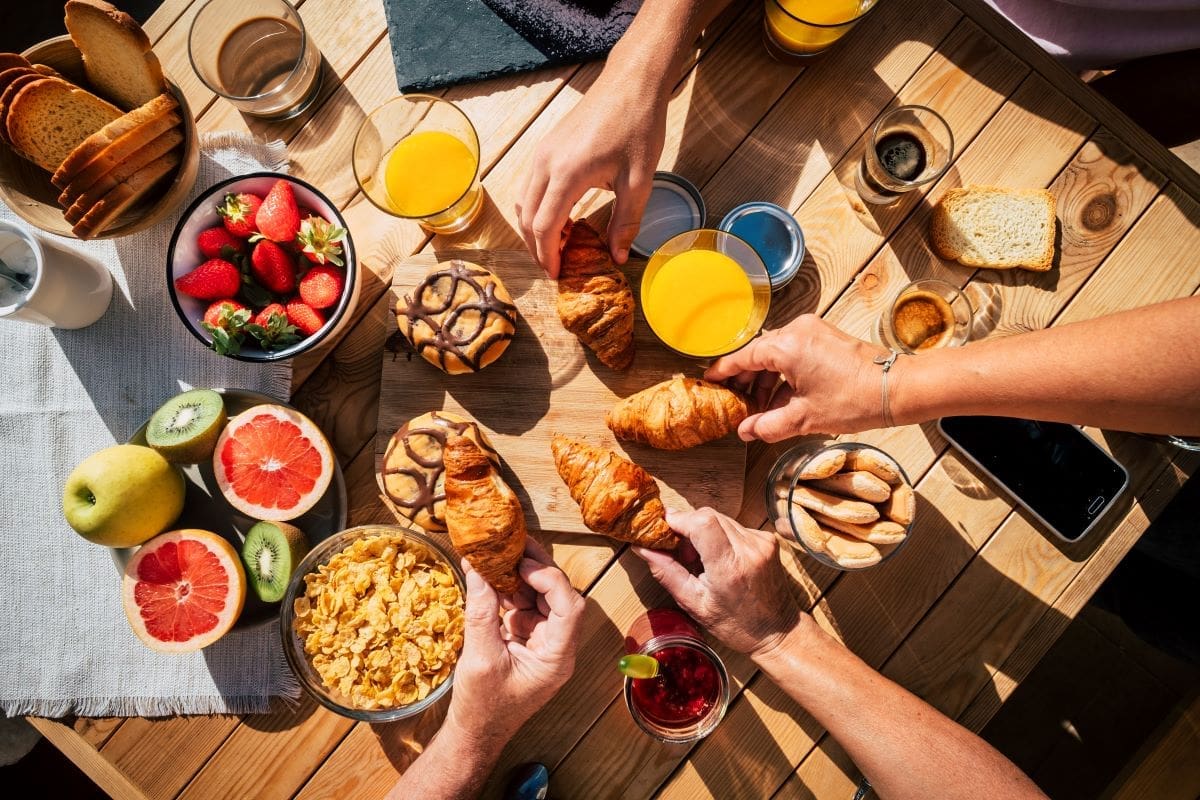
808 530
881 532
901 506
851 553
831 505
875 463
823 464
863 485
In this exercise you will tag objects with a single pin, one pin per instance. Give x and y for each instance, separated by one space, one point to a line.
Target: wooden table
966 611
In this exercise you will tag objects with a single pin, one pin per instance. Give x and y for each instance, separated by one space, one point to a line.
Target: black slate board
437 43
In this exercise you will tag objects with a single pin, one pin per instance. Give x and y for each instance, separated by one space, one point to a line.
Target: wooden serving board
547 382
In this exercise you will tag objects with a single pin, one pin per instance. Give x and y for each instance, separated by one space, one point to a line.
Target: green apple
123 495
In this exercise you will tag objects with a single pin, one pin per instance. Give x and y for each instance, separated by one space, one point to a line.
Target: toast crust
85 160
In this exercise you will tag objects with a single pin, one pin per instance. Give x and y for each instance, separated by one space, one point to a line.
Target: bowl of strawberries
261 267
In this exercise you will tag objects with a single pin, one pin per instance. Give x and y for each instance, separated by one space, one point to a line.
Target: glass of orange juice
796 29
417 157
705 293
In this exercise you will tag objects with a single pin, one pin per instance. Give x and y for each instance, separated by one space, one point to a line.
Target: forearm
653 49
1137 370
453 766
905 747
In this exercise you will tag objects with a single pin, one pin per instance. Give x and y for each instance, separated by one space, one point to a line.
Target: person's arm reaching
510 667
1136 370
730 580
613 137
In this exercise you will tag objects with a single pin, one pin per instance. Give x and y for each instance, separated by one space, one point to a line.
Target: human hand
511 665
611 139
729 579
830 383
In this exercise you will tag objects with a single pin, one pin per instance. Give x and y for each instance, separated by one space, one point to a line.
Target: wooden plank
96 730
164 17
103 773
161 755
1067 82
546 383
285 747
1166 768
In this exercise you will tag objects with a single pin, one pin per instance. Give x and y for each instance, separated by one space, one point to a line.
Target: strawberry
216 311
278 218
219 243
321 241
226 321
272 329
304 316
215 279
273 266
322 286
263 317
239 212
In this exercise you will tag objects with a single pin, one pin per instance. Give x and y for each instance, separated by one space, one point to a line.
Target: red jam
685 690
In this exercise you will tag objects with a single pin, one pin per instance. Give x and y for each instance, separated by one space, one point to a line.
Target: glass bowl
690 312
293 646
781 484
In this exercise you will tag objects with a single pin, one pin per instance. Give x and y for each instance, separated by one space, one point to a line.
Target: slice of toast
10 60
48 118
125 194
121 172
130 147
987 226
84 161
116 52
6 97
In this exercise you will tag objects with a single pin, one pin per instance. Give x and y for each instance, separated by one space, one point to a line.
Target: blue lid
675 206
773 233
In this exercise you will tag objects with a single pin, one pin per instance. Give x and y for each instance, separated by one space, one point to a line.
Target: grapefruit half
272 463
183 590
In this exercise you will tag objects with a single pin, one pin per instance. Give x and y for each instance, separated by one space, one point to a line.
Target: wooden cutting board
546 383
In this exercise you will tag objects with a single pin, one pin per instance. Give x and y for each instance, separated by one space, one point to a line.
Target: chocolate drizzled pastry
460 318
413 472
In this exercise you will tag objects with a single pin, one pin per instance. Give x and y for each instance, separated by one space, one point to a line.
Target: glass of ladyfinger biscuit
848 505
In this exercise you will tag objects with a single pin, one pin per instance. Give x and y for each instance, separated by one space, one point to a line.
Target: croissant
678 413
617 497
594 299
483 515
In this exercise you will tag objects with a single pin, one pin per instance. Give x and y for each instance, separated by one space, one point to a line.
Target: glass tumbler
797 29
257 55
925 315
909 147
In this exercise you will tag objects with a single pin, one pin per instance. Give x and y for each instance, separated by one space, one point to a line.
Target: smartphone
1054 470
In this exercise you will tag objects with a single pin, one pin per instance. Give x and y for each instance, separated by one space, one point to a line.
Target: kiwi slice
185 429
271 552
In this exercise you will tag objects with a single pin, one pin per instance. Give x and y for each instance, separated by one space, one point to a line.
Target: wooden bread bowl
27 190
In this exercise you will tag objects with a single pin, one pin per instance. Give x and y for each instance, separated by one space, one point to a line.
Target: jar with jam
688 697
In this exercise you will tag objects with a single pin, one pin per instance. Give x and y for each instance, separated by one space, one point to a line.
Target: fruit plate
206 508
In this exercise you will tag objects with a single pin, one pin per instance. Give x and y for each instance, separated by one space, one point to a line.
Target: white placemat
65 646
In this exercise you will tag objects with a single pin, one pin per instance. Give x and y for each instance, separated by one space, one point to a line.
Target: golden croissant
483 515
617 497
678 413
594 299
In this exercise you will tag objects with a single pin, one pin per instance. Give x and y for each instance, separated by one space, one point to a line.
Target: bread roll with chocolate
460 318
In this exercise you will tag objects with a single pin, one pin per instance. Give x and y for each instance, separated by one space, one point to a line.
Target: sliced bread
128 147
125 194
50 117
121 172
84 158
116 52
49 72
10 91
987 226
10 60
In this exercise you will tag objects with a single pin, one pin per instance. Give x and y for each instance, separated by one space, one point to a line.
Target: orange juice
831 19
428 172
699 302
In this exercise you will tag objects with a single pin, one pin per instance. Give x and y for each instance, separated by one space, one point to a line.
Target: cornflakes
381 621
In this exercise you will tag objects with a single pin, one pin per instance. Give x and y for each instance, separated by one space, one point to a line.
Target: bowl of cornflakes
372 622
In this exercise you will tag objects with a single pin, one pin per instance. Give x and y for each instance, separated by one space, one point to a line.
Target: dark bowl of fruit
261 267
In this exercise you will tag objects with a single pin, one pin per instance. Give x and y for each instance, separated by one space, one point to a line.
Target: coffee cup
45 284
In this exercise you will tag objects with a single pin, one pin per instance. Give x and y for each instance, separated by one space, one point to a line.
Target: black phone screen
1054 469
